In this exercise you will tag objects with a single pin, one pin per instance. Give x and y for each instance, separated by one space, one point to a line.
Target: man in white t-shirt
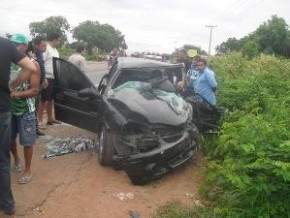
78 59
53 40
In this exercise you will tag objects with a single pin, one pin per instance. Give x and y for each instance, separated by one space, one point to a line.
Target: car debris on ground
57 147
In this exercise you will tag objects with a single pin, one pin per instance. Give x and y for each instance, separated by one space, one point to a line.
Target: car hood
137 100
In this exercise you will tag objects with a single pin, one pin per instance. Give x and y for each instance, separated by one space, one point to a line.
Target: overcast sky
151 25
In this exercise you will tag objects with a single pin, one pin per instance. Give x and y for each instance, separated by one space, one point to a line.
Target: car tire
106 147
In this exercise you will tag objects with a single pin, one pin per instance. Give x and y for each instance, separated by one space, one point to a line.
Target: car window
127 75
71 77
174 74
158 78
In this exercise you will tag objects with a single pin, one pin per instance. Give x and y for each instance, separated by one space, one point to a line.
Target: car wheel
106 147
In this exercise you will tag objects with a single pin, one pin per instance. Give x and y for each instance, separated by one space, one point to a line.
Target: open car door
76 99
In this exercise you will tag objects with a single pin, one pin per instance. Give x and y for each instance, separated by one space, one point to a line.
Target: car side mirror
103 83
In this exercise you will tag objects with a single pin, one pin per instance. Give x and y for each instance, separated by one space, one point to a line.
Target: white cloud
151 25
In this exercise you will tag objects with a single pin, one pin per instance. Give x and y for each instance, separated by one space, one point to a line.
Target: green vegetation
103 36
95 56
65 52
95 36
175 209
271 37
51 24
248 168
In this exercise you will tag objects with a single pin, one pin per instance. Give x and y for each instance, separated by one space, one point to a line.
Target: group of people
26 90
199 88
199 79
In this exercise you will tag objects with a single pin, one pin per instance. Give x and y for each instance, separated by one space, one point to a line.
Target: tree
232 44
273 35
86 32
250 49
51 24
102 36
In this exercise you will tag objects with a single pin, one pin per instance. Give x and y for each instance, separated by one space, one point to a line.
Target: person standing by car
9 54
182 57
23 120
205 85
40 47
78 59
47 93
190 78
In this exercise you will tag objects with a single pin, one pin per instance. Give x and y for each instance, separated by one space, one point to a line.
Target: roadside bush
175 209
65 52
250 166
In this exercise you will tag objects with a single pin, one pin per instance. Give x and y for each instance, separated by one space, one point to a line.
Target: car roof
132 62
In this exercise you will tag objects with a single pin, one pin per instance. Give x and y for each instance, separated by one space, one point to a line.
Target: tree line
271 37
92 33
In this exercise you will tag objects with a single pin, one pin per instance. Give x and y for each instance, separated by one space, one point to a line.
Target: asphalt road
96 70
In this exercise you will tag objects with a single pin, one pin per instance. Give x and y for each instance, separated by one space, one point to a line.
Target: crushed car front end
155 134
156 151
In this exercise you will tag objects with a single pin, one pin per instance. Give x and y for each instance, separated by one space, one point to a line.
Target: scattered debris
125 196
37 209
71 144
134 214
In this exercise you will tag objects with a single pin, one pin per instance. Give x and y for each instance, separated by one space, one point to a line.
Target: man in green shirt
23 120
9 54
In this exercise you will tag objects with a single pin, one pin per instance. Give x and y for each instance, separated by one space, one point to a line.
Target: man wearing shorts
53 40
8 54
23 120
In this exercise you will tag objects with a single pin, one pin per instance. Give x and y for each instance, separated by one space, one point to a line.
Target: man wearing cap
23 120
9 54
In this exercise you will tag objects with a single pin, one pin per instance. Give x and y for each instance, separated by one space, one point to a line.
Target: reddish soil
76 186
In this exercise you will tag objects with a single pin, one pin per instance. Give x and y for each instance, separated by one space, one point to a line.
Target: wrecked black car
143 126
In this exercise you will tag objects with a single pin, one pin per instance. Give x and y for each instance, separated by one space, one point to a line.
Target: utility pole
210 36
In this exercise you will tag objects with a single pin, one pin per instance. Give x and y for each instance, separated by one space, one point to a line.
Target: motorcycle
205 116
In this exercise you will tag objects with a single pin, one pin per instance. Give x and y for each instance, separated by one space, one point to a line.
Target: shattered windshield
149 92
152 84
158 78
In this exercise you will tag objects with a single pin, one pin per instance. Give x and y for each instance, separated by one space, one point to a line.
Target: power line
210 36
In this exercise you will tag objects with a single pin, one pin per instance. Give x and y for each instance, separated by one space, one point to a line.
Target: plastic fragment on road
125 196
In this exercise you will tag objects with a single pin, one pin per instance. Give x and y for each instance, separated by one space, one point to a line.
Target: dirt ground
76 186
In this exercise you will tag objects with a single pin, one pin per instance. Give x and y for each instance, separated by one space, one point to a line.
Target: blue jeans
6 195
25 127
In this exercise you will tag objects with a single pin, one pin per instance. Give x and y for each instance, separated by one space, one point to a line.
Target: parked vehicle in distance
142 125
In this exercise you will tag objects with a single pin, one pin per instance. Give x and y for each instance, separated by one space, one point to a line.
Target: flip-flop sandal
53 122
24 179
41 126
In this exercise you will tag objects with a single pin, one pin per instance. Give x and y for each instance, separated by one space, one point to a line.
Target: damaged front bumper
150 165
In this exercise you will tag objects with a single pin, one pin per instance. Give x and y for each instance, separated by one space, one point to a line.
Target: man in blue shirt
205 85
191 75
